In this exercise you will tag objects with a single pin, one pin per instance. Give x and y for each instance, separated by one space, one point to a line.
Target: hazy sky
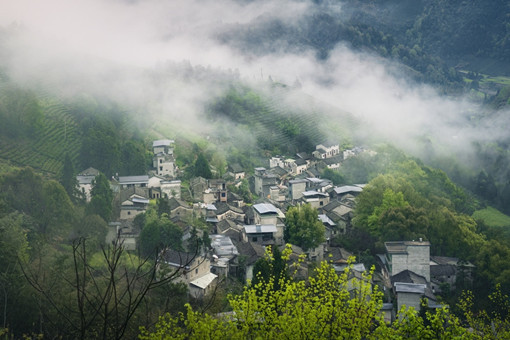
83 42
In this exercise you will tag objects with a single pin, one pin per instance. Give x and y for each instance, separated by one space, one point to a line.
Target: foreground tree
88 294
327 306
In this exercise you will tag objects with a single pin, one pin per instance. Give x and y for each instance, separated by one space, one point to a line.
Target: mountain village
240 233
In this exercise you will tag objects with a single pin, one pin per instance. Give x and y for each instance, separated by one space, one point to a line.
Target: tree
271 266
101 146
303 227
89 294
132 158
201 167
44 202
101 197
68 178
159 233
13 246
390 199
328 306
333 175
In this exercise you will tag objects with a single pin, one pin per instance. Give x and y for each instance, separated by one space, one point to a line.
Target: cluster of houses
413 275
240 233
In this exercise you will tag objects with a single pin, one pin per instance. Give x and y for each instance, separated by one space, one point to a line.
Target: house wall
416 260
249 272
301 168
154 182
330 151
258 185
260 238
296 190
86 188
276 161
409 300
158 149
209 197
165 167
128 214
199 293
199 268
263 184
278 236
181 211
171 189
231 215
265 218
316 254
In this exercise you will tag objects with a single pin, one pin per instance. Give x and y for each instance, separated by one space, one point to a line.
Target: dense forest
61 278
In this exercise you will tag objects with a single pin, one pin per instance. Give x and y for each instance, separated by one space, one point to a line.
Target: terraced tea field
46 150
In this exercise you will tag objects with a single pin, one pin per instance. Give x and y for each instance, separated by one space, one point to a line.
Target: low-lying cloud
116 47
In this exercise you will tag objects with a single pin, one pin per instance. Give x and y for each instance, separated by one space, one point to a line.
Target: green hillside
492 217
51 133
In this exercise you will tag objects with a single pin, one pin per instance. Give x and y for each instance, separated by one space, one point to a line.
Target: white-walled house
133 206
326 150
85 179
163 146
408 255
194 270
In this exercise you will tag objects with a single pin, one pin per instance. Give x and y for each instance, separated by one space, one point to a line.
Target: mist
137 53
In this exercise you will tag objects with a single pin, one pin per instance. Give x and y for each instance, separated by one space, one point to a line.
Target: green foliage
85 292
390 200
303 227
13 248
276 127
323 308
492 217
159 233
36 130
272 266
133 158
101 197
243 190
487 324
334 176
49 211
20 112
93 228
100 148
416 201
328 306
68 178
201 167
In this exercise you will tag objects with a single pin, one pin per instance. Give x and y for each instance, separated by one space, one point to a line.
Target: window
129 212
160 168
196 271
160 161
254 239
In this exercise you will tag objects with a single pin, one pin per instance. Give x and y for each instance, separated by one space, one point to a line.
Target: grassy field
492 217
